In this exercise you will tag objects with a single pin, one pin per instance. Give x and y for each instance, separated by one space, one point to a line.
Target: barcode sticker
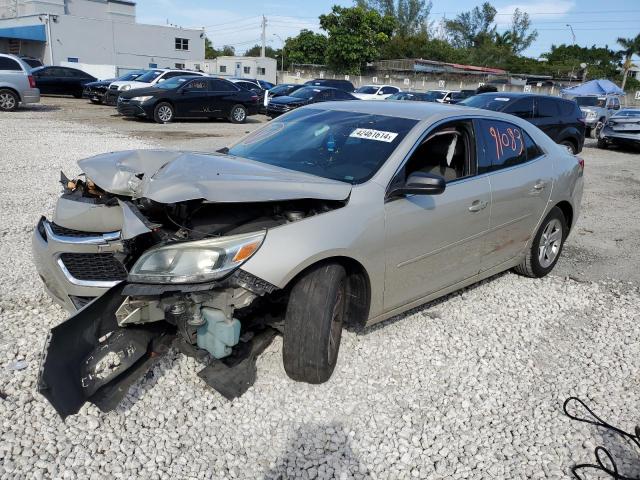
369 134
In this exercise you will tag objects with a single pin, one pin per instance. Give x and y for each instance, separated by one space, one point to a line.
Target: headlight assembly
195 262
125 87
142 99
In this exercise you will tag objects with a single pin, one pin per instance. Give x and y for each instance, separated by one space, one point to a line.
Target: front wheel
163 113
238 114
8 101
569 147
313 323
546 246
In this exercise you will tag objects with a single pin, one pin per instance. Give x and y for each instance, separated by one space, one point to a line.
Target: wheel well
358 288
567 211
13 90
571 140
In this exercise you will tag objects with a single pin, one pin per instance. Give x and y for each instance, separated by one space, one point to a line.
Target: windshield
345 146
306 93
368 89
628 113
174 82
130 76
150 76
590 101
488 102
279 89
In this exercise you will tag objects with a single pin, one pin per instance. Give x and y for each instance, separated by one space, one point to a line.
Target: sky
237 22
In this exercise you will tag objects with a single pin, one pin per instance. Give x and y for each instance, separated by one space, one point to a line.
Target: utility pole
264 36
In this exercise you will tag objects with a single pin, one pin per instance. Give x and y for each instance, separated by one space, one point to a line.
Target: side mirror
420 183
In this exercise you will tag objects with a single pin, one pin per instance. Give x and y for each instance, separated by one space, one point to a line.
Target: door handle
478 205
540 185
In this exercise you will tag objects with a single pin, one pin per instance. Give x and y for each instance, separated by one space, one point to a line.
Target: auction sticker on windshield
370 134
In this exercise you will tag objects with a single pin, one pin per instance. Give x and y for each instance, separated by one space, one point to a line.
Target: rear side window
522 108
547 107
505 145
222 86
569 109
9 64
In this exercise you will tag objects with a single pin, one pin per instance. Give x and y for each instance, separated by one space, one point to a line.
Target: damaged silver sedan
331 214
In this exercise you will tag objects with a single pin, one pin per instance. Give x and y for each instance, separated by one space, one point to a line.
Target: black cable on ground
601 452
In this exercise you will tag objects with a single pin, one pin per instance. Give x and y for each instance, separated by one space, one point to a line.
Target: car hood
133 84
167 176
366 96
286 100
137 92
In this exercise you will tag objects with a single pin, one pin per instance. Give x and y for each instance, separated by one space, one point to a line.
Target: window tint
504 145
389 90
222 86
568 109
169 75
324 96
9 64
533 150
199 84
547 107
448 152
342 95
522 108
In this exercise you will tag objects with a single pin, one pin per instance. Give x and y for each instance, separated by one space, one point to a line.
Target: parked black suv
559 118
344 85
189 97
61 80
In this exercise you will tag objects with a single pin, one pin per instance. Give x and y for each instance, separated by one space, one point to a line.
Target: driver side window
448 151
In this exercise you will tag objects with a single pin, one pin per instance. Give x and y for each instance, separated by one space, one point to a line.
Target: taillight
580 162
32 82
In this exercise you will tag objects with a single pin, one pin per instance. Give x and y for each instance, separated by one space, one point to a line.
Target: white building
99 33
260 68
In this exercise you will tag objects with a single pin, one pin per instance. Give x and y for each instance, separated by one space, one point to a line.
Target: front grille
67 232
94 266
113 87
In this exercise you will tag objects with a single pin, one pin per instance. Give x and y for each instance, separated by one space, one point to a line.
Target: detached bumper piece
90 358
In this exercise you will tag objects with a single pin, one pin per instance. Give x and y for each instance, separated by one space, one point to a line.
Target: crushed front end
140 275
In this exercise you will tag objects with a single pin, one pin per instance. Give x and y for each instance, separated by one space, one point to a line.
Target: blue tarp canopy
594 87
27 32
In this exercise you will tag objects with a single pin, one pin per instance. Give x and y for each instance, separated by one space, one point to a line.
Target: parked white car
375 92
443 96
152 77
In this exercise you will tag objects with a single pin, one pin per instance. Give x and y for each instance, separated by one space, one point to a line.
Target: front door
435 241
547 117
193 100
521 177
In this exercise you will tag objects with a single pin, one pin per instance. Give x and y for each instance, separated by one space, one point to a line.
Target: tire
598 128
538 262
163 113
9 101
238 114
313 323
96 102
570 146
77 94
602 144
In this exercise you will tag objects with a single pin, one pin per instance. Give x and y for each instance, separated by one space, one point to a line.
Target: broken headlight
195 262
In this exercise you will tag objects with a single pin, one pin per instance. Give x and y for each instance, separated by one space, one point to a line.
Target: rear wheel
313 323
238 114
546 246
8 100
598 128
163 113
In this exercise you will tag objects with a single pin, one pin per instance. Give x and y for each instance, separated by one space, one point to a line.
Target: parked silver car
337 212
16 83
597 110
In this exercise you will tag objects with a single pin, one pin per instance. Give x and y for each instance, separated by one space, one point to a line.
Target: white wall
253 63
101 72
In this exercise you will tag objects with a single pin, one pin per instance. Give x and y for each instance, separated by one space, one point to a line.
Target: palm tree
630 46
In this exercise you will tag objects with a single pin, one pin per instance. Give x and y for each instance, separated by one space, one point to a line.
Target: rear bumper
31 95
64 288
614 136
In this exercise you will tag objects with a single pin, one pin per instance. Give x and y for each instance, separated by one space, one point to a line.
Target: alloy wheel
239 115
7 101
550 243
165 113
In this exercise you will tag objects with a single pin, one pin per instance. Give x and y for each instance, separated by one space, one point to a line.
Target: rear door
48 80
522 108
521 178
222 97
547 117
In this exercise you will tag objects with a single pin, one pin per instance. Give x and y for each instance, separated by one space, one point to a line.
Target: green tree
412 16
602 62
211 52
256 50
421 46
356 36
472 28
519 32
306 48
631 46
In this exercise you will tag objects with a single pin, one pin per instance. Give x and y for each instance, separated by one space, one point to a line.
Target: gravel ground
469 387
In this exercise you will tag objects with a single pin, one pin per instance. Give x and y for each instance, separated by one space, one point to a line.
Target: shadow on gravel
318 451
31 108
